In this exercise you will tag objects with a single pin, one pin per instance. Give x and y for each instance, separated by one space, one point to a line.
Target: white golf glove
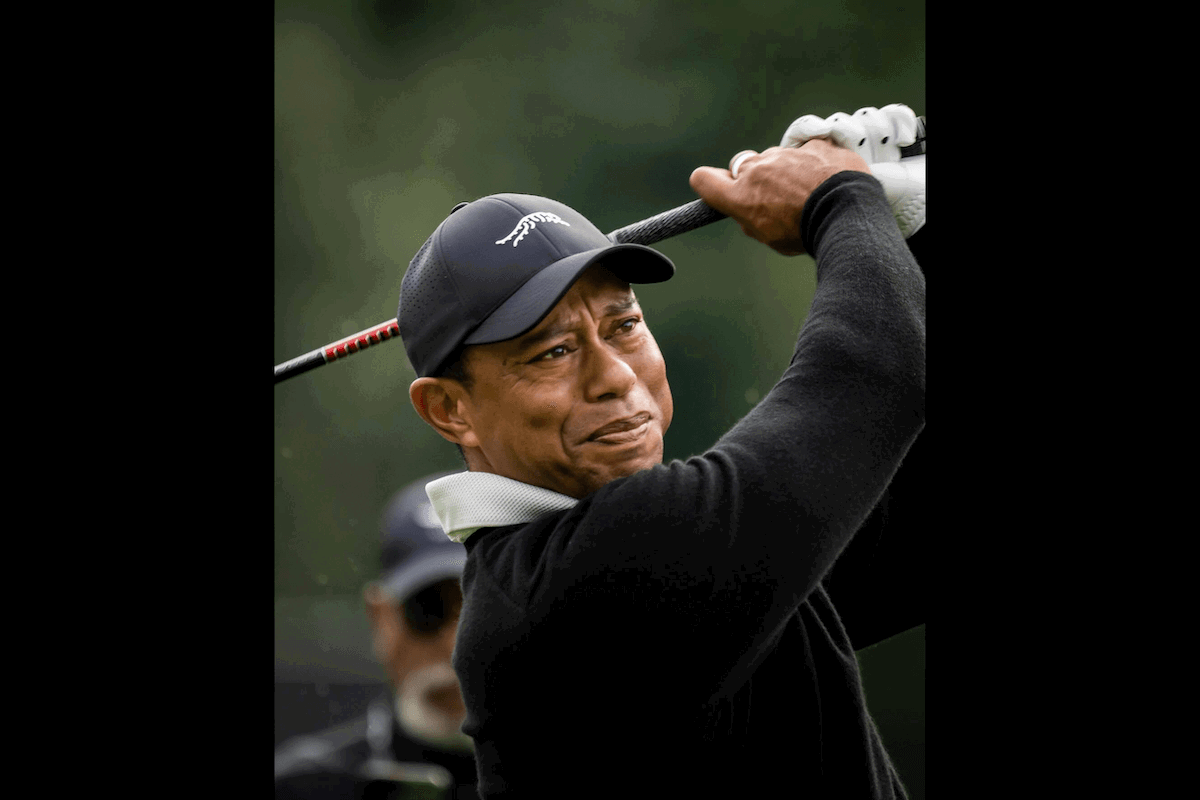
876 134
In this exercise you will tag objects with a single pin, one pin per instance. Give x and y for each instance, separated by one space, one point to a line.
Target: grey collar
467 501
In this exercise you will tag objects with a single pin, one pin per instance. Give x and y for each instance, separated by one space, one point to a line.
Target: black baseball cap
415 551
495 267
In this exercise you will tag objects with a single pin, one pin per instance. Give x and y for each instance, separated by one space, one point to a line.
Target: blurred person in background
410 736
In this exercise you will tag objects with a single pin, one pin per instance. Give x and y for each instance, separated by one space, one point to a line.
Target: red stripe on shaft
361 341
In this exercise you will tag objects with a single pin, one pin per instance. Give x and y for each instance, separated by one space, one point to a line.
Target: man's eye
628 325
553 353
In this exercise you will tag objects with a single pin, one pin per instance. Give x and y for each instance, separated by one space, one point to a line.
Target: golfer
638 629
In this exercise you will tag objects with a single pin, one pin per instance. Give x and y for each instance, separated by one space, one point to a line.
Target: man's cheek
659 387
543 418
667 404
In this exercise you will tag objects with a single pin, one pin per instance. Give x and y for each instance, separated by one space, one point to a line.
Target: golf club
668 224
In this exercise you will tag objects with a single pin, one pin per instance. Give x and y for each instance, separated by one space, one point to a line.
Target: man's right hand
768 195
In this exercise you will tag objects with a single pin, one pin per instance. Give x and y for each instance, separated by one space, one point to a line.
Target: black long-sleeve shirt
672 632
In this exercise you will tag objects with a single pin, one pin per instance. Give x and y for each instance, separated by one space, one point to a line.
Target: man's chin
622 465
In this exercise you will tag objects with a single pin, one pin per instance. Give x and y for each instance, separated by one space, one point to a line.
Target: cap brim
424 570
527 306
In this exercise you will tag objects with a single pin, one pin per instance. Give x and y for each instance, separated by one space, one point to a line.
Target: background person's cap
415 551
495 267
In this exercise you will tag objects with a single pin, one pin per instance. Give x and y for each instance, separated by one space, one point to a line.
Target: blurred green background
389 113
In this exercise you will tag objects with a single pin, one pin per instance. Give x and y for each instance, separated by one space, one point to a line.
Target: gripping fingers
888 129
876 134
880 134
904 122
841 128
849 132
810 126
735 163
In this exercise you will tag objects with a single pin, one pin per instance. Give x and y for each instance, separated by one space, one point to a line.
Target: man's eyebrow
564 327
620 306
551 332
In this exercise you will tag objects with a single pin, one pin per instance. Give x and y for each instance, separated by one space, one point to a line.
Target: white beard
421 719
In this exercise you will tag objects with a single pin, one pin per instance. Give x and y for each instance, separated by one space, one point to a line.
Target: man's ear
445 405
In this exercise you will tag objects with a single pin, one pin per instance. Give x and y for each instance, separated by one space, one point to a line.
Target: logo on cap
529 222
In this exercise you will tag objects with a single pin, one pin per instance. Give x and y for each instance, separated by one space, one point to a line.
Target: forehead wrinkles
567 317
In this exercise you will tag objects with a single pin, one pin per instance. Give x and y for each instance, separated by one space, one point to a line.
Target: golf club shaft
655 229
339 349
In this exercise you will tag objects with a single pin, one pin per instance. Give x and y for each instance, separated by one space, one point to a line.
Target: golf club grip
687 217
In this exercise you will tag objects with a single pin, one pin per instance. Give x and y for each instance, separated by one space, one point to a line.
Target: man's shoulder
621 507
340 748
502 560
531 525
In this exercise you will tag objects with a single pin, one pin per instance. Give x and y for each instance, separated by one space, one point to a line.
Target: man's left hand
876 134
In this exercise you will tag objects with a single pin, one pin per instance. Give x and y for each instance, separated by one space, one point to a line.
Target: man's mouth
623 431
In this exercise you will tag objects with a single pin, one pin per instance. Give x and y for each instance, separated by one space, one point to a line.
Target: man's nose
609 375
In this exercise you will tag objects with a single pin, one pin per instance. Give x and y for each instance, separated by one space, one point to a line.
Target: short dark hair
457 370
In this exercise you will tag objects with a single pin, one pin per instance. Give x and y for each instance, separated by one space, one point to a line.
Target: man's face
414 641
580 400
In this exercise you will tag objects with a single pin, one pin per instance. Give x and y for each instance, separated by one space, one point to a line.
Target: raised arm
732 541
